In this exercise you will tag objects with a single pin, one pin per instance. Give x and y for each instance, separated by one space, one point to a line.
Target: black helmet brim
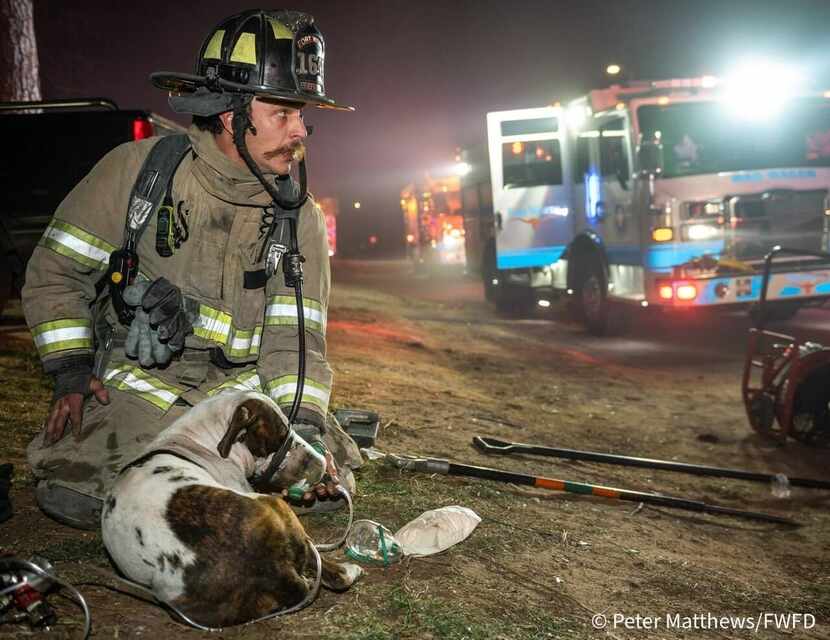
187 83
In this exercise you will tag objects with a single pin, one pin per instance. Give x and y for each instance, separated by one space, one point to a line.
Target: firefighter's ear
227 121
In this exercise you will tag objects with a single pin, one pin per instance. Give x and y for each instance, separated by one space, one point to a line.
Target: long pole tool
496 446
444 467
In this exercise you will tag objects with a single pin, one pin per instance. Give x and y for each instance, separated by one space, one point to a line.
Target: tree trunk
19 70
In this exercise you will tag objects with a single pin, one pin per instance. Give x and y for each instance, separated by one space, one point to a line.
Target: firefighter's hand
70 408
328 489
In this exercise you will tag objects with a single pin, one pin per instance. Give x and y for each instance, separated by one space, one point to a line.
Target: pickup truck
48 147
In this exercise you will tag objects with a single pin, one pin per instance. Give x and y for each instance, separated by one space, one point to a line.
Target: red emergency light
142 128
680 291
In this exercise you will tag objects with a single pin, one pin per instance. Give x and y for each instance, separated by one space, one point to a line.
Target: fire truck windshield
705 137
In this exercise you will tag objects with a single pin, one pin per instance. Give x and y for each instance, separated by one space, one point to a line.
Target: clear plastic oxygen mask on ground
430 533
372 543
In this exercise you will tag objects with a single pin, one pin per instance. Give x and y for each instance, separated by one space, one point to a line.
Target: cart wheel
811 410
761 412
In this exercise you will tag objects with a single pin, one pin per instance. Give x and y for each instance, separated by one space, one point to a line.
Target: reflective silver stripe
283 389
282 310
62 335
214 325
73 242
245 381
246 342
139 382
290 311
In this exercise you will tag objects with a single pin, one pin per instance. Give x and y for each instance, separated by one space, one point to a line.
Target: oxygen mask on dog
298 466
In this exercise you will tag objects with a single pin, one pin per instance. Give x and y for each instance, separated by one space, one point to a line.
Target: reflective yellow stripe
281 32
214 49
283 389
245 49
75 243
245 342
138 382
213 325
282 310
217 326
62 335
245 381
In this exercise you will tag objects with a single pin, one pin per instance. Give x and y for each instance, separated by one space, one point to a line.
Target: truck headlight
701 232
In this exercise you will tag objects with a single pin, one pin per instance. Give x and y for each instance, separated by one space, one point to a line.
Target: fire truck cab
664 194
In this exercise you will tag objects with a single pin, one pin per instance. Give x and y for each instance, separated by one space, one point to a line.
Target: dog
184 520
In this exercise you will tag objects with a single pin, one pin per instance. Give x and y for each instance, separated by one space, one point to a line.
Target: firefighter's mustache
296 151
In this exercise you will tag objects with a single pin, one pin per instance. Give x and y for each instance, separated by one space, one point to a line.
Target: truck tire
600 316
509 299
513 301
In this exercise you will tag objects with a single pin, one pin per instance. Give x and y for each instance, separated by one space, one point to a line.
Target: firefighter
208 311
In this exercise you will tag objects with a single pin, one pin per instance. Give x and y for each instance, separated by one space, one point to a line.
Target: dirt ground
427 353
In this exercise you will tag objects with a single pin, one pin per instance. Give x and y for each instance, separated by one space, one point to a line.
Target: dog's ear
259 424
240 421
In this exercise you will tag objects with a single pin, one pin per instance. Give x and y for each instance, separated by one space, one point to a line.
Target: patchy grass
540 563
25 393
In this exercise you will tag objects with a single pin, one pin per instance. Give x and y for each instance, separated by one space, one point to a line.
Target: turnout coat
221 204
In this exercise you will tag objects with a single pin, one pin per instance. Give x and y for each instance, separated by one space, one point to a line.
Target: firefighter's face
280 133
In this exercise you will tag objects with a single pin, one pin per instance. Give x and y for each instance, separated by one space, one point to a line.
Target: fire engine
664 194
329 208
433 222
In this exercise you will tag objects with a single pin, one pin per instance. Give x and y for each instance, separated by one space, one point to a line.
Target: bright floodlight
613 69
462 168
759 89
577 114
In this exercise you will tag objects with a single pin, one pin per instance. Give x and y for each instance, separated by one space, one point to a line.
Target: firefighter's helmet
276 54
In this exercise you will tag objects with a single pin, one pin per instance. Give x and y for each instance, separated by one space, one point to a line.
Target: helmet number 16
308 64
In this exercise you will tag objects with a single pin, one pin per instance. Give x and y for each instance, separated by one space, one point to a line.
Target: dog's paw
353 572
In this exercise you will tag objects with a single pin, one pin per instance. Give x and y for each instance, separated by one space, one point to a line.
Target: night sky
423 74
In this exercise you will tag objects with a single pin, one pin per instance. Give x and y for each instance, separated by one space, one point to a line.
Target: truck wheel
514 301
509 299
600 316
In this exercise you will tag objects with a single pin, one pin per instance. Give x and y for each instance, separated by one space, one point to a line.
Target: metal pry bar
444 467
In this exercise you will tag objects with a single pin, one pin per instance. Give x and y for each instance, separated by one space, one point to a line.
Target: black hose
496 446
292 261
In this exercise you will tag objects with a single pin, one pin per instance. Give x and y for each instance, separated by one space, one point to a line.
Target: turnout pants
74 474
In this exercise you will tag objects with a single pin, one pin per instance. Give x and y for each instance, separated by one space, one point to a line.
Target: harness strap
146 196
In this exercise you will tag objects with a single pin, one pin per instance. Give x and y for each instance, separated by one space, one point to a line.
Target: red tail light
142 128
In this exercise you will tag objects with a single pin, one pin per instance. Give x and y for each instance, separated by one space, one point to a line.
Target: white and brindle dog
184 520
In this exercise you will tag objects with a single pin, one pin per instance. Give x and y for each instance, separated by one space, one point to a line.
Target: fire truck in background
329 208
433 223
665 194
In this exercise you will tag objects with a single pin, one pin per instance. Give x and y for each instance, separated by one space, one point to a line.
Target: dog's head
282 459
